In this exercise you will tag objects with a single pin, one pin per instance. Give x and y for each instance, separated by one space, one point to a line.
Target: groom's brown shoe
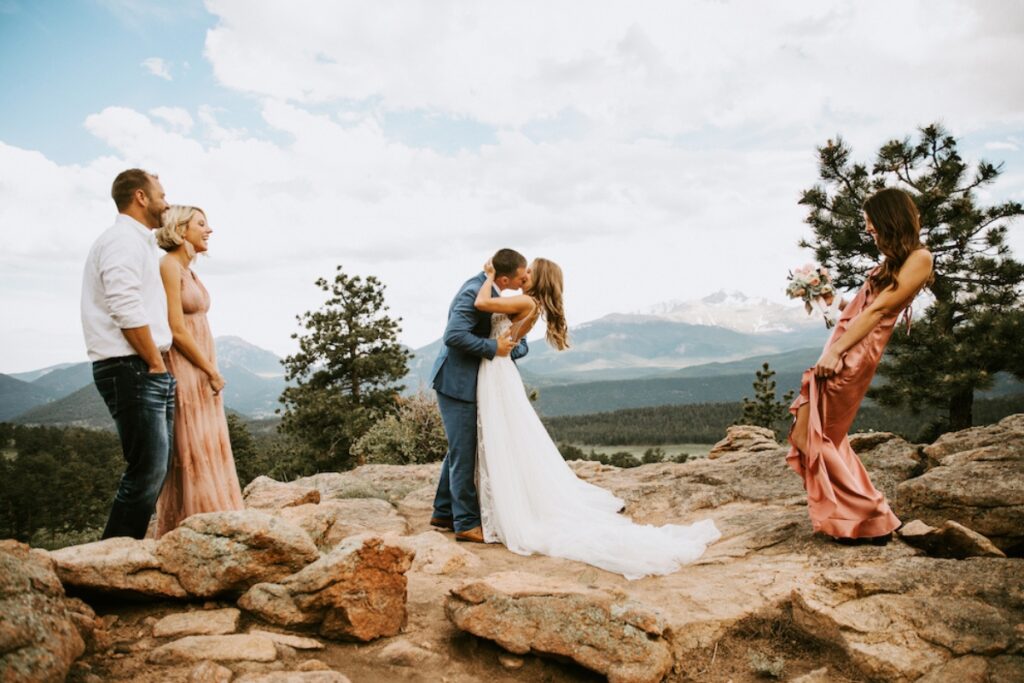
474 535
442 523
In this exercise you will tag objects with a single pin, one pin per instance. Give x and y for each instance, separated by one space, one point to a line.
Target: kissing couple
503 479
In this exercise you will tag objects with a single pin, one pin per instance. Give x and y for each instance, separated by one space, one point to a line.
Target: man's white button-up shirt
121 289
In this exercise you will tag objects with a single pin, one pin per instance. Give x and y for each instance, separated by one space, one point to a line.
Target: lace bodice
500 323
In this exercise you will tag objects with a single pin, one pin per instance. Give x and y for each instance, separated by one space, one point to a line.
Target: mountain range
668 354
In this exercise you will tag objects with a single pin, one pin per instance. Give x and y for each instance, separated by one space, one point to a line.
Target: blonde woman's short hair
173 223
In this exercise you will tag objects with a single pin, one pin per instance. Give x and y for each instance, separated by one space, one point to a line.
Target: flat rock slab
601 630
211 622
332 521
117 566
292 641
355 592
227 552
239 647
294 677
264 493
902 620
403 653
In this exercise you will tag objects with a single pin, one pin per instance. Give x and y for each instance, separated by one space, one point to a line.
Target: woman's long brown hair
546 289
897 223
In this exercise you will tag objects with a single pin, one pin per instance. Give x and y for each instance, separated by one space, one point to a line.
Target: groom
466 341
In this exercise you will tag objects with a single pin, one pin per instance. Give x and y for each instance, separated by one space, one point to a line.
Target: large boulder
748 438
265 493
119 566
228 552
330 522
1009 430
39 630
978 482
910 616
601 630
355 592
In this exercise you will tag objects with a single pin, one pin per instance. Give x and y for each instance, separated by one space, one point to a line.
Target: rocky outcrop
746 438
39 628
601 630
264 493
119 566
332 521
951 540
228 552
355 592
909 617
978 481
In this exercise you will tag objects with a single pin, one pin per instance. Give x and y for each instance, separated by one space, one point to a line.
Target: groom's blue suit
466 341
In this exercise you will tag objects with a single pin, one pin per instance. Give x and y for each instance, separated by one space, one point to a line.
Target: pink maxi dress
202 476
841 499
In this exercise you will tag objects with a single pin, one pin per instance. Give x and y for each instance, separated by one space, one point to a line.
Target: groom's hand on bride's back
505 344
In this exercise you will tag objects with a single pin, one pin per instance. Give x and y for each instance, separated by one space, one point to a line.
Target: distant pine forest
707 422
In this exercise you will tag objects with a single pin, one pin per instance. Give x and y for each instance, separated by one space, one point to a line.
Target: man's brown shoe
474 535
442 523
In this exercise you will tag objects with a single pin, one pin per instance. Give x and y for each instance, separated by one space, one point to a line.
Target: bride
530 499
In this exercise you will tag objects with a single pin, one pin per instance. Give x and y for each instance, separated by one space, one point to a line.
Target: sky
656 150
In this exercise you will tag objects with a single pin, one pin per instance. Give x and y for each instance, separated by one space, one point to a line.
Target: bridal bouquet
813 284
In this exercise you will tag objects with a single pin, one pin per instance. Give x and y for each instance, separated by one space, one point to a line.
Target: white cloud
178 119
157 67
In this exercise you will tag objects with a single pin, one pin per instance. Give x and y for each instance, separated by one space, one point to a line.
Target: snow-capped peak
735 311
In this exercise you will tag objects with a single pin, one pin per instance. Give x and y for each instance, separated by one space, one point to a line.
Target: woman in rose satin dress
841 499
202 476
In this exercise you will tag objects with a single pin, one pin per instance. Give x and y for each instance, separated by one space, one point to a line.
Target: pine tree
764 410
347 370
975 327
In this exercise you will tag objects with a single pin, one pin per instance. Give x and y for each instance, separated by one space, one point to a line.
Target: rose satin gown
202 476
841 499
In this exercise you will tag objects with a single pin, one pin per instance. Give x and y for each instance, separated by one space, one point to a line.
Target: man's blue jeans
142 405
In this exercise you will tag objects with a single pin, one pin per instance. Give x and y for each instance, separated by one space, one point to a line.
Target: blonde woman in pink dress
841 499
202 476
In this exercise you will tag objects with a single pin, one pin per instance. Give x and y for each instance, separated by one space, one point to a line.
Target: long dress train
202 476
533 502
841 500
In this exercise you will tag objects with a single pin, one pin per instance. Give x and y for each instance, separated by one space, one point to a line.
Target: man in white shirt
124 319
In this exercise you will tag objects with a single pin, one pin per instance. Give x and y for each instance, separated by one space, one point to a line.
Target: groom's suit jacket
465 343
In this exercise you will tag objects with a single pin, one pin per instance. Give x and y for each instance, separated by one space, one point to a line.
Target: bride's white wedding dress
531 500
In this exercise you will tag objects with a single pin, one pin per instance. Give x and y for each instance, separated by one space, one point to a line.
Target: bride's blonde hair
173 223
546 290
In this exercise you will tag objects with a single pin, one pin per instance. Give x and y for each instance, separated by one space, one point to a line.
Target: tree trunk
961 410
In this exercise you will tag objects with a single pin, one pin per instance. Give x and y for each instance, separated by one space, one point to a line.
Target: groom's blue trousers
456 491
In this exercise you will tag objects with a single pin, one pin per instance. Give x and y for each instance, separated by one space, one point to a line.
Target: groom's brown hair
506 262
127 183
